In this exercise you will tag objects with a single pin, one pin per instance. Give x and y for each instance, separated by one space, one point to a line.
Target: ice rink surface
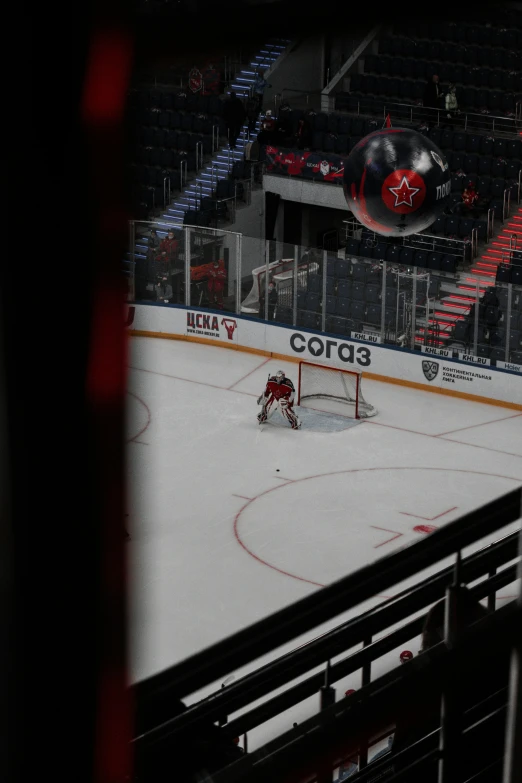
229 522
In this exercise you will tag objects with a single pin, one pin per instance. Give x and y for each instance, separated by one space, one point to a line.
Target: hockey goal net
340 389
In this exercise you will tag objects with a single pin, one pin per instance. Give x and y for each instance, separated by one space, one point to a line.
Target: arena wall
429 372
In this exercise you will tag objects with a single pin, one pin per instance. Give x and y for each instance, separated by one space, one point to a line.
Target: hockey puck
277 470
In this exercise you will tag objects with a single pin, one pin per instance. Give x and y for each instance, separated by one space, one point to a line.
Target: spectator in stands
304 134
469 206
490 298
451 103
153 243
272 301
169 266
260 86
267 134
234 116
211 80
217 278
168 252
284 125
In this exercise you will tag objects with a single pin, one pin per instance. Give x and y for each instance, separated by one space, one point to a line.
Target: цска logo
430 369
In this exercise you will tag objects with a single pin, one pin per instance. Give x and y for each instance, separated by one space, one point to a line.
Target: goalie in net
278 394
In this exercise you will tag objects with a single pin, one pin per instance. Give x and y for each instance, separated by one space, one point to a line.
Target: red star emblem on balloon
404 193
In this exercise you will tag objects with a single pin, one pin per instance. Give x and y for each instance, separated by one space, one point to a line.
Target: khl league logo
430 369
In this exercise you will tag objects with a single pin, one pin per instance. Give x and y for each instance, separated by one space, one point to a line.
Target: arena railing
471 122
269 634
352 292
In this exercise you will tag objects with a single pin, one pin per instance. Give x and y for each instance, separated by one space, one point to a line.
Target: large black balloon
396 181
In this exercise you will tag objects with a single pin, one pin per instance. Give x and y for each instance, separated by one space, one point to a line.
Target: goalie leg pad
289 415
266 410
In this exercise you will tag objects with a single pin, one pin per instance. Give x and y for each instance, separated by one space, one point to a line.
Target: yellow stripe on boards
369 375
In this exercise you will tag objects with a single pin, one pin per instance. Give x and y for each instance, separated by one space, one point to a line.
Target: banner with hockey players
313 165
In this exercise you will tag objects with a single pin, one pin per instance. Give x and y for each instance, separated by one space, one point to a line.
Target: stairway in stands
223 159
455 305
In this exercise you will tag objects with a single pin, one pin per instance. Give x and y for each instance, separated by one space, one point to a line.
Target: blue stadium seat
330 286
315 283
420 258
344 289
379 251
497 188
514 149
393 254
451 226
358 311
486 145
358 291
484 186
331 304
317 140
461 331
187 121
482 229
329 142
336 325
372 293
457 184
465 227
373 314
313 302
457 161
391 296
448 264
498 168
330 266
342 269
309 320
516 275
446 139
484 165
353 247
344 307
406 256
471 163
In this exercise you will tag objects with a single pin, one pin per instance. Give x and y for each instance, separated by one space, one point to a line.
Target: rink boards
426 371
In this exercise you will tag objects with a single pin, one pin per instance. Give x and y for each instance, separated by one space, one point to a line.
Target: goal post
342 388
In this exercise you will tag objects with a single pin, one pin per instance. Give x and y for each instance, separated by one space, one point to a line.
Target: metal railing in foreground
269 634
471 122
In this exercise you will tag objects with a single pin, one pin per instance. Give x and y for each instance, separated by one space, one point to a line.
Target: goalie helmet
280 376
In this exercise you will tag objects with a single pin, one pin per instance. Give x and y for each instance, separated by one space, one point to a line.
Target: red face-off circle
403 191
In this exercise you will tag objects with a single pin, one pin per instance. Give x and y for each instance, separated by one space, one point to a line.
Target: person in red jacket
168 251
217 277
470 198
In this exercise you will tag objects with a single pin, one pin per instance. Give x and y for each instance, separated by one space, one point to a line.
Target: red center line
243 497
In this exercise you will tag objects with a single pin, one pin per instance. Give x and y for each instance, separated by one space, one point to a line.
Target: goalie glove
284 403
